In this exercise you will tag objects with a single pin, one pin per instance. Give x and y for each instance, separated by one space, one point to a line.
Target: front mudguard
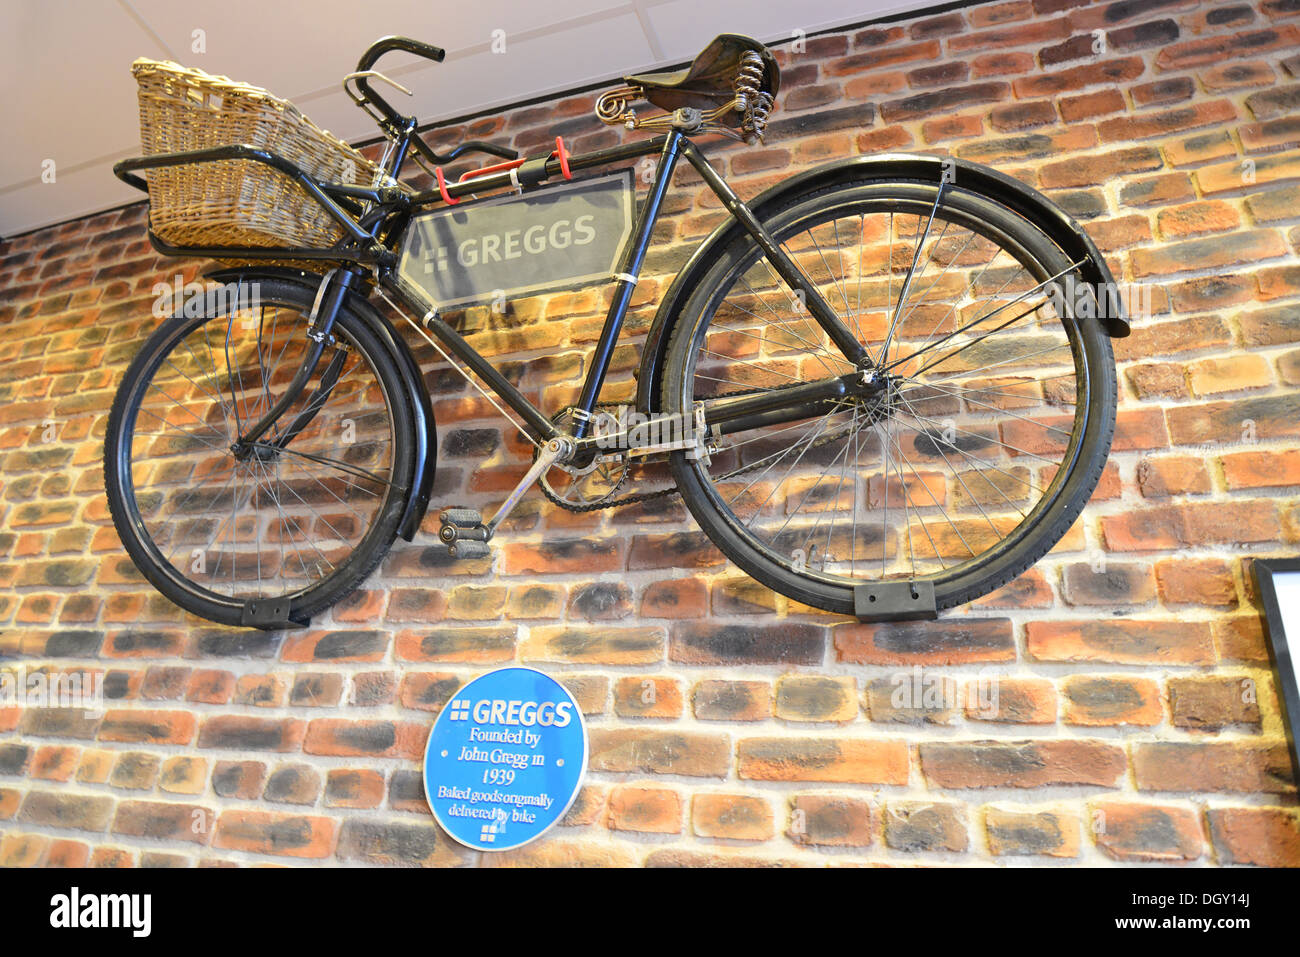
425 431
999 187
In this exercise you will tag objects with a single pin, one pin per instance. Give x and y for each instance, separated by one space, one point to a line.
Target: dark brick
942 101
703 642
926 826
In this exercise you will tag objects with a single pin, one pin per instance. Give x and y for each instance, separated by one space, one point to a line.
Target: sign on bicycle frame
561 237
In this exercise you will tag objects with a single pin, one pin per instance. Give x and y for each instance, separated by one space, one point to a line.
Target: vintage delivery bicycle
883 387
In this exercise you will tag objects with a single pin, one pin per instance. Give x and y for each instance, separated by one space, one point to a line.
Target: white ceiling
70 97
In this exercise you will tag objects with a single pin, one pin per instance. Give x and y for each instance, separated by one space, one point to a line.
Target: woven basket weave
235 202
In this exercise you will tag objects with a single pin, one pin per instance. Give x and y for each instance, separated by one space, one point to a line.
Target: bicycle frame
372 232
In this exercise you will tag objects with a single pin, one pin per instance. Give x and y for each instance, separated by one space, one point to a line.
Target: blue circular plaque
505 759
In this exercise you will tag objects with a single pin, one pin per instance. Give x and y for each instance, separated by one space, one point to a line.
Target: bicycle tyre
123 439
1029 541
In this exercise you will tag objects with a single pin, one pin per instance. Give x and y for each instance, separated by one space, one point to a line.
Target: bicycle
884 387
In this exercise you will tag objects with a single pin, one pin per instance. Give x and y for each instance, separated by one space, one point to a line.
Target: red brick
954 641
1034 33
816 698
288 835
832 760
1248 174
609 645
243 733
1264 469
354 788
1001 64
1193 219
1075 109
1101 701
1263 836
737 817
1219 252
1121 641
720 700
1159 380
649 810
65 853
23 850
1017 831
1211 704
1011 700
381 739
652 751
831 821
178 822
640 697
153 727
1022 764
1209 50
1228 374
1146 125
1240 638
1188 581
1212 766
1174 526
1145 832
676 598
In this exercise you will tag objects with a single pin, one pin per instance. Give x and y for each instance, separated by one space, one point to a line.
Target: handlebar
392 118
388 44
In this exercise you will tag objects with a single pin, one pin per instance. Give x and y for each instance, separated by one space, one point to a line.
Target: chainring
592 486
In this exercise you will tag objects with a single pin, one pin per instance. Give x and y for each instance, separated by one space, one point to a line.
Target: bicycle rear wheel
274 536
988 432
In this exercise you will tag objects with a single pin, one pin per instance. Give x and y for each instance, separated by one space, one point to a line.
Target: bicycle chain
662 493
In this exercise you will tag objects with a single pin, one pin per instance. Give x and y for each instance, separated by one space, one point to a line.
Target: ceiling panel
67 64
470 82
317 46
69 93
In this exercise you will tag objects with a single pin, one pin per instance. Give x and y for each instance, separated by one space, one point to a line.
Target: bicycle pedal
467 548
461 517
464 533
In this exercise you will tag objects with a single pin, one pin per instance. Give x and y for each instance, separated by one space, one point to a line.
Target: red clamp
560 153
442 187
563 156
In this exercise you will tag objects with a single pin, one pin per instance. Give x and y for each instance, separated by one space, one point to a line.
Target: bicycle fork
333 290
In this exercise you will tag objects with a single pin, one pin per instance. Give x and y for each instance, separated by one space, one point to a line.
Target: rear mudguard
426 435
1012 193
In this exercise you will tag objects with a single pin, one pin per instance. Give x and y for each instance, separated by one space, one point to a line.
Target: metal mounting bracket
894 601
269 614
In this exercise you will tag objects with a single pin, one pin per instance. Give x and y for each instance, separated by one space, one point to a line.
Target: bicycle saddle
710 80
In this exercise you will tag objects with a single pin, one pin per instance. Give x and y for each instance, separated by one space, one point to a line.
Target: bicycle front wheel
985 435
278 532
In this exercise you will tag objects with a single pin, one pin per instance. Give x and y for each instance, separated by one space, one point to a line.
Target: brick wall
1137 718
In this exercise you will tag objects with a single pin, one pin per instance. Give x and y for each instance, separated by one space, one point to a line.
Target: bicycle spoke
916 256
985 317
277 521
944 483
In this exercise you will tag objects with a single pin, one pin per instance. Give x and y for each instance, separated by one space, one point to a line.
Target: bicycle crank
463 530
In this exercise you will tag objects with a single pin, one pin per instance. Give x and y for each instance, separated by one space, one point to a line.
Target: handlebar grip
478 146
388 44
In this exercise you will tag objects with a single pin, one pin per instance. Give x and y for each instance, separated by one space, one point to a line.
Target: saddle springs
749 100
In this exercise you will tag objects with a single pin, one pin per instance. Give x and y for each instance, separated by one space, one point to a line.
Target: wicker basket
236 202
